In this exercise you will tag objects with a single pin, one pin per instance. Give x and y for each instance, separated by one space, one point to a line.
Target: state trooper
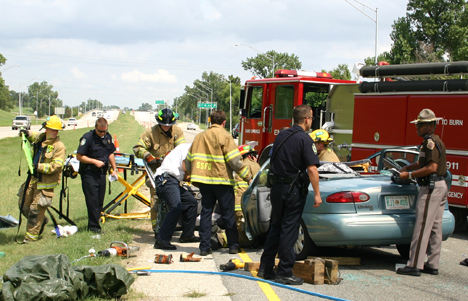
153 145
429 172
95 153
289 188
48 159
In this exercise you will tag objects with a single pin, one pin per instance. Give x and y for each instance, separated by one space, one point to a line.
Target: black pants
224 194
286 212
94 189
179 201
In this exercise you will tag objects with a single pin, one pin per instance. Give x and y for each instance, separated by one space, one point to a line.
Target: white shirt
172 163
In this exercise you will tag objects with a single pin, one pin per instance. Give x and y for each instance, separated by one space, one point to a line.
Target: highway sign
159 102
207 105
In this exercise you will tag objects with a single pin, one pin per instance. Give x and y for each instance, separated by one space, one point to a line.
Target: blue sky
130 52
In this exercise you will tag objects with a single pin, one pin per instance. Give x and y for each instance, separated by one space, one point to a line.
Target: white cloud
162 76
77 73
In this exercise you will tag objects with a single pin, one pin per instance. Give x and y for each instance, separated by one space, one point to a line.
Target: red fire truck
364 118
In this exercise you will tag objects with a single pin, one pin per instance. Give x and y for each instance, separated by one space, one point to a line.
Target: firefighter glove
150 158
26 133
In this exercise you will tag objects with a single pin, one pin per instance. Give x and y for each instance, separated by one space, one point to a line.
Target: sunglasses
420 125
105 131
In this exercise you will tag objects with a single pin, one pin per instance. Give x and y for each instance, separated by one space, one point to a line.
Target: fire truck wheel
304 245
403 250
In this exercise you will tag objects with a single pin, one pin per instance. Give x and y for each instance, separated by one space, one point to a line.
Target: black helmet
165 117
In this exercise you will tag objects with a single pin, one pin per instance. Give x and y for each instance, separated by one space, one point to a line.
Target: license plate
397 202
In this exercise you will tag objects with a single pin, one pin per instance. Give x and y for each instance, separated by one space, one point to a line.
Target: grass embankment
76 246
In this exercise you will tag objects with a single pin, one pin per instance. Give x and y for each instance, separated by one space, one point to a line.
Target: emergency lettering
457 195
201 165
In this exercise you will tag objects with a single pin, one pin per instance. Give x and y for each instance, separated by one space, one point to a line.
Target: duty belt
284 180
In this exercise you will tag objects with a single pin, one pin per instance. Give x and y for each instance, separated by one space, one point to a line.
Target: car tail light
348 197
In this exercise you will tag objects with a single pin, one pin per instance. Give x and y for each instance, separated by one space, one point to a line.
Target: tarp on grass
52 277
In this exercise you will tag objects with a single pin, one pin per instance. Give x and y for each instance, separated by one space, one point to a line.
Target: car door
256 204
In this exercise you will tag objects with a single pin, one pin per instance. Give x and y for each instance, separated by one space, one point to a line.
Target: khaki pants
427 234
35 205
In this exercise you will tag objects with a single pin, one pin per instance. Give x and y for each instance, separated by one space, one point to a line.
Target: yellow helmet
321 136
54 123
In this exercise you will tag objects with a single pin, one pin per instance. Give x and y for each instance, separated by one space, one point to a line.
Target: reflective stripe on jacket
241 186
157 143
51 161
214 156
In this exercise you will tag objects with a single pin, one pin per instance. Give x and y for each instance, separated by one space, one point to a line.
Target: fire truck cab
267 104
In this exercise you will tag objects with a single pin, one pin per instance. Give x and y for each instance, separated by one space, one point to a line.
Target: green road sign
159 102
207 105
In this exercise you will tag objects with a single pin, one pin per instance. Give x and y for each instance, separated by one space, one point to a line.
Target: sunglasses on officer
105 131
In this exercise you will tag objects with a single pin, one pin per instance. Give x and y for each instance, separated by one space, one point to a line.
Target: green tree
262 64
145 107
5 103
431 31
40 96
340 72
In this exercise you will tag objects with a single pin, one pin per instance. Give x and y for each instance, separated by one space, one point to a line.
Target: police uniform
427 234
93 179
211 160
296 154
178 199
156 142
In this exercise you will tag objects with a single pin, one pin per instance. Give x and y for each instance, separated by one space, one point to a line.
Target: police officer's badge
314 148
83 141
430 144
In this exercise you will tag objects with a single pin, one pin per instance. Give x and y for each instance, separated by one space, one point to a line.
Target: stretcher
128 162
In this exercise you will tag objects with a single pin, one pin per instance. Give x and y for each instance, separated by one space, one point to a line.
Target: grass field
127 132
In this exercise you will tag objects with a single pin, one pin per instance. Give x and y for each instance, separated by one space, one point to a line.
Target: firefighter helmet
321 136
246 149
54 123
165 117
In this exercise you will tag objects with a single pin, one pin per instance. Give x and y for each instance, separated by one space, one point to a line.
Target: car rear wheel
304 245
403 250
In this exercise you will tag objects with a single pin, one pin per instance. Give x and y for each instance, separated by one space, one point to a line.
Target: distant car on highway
21 121
192 126
72 121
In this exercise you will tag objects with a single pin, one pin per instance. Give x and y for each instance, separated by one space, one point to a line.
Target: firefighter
179 200
211 160
248 154
48 159
429 172
152 147
95 153
322 139
293 154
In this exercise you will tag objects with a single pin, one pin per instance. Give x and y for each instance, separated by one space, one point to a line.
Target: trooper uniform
157 143
427 234
240 187
287 198
211 160
93 179
178 199
48 159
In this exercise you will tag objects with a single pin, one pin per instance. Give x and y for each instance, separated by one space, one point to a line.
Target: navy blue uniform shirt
295 154
93 146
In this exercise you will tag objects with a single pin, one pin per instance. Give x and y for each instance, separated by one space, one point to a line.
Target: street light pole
376 21
4 70
209 89
272 57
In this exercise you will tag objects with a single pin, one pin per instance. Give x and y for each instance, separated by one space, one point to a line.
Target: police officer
152 147
178 199
95 153
293 153
322 139
429 172
211 160
48 159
